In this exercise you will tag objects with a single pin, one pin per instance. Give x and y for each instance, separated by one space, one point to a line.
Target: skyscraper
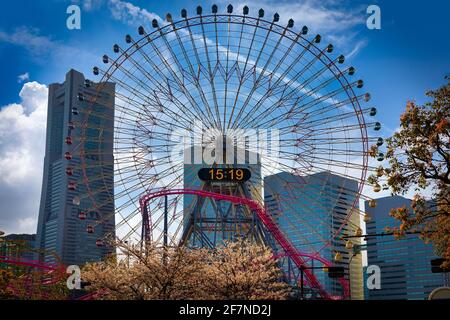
60 231
309 210
404 264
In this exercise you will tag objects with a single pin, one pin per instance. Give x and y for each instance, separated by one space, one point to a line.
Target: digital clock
224 174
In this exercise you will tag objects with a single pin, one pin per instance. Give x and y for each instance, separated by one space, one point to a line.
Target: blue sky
409 55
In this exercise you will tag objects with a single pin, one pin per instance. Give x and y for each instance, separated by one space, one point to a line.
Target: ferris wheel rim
343 82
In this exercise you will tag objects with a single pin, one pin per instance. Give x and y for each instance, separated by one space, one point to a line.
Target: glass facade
60 231
310 210
405 263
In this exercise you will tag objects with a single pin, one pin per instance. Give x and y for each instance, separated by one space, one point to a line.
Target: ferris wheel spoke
246 119
133 231
261 72
227 70
133 228
150 133
131 89
325 179
211 75
281 78
242 79
148 115
302 108
161 175
316 164
123 206
170 96
339 152
327 119
300 88
174 240
301 111
303 166
98 115
286 54
145 73
135 173
326 96
175 76
212 122
224 72
157 224
333 131
323 130
130 189
159 107
191 68
138 81
315 75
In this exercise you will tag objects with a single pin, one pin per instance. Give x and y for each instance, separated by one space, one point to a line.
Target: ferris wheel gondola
217 74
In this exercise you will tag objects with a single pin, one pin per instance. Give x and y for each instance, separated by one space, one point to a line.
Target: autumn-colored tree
5 277
26 283
419 159
21 282
36 285
233 271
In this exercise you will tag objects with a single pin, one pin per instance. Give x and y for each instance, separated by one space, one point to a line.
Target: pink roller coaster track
56 273
271 226
48 269
51 274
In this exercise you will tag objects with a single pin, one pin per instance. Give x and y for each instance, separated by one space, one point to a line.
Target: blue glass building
310 210
405 263
60 231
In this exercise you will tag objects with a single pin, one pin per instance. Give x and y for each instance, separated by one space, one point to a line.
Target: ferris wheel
292 105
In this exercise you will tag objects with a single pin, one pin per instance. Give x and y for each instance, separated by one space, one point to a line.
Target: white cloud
23 77
326 16
319 16
334 20
27 225
130 14
123 11
29 38
22 146
358 47
90 5
43 49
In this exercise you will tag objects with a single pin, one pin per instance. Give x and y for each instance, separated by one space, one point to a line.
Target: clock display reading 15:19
224 174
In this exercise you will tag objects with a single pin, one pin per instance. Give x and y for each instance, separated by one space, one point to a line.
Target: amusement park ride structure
229 71
263 217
